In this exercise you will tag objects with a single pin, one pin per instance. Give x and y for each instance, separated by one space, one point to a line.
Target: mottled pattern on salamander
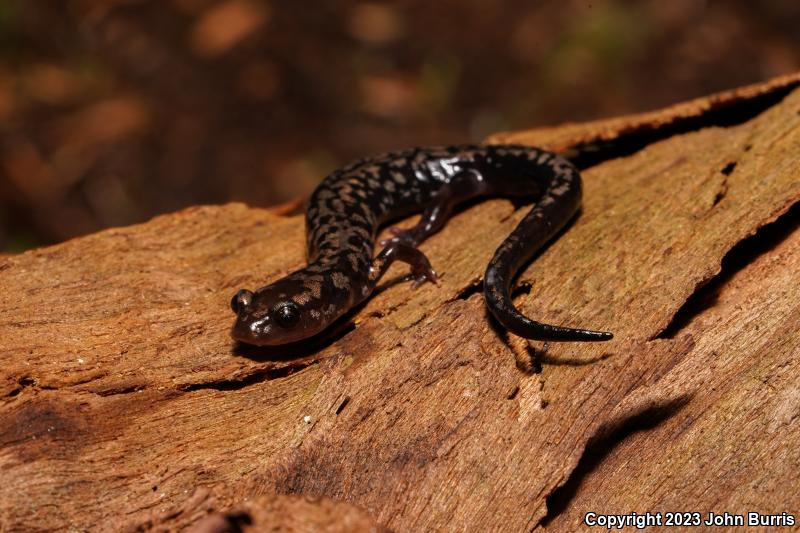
346 210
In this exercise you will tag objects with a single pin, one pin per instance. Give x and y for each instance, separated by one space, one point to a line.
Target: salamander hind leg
421 270
461 187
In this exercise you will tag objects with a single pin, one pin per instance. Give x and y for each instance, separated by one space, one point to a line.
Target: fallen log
126 406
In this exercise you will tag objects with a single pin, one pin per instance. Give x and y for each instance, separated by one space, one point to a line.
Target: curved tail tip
594 336
602 335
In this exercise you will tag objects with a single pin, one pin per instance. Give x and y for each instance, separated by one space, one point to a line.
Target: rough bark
125 405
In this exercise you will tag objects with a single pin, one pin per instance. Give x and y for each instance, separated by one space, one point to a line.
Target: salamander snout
270 316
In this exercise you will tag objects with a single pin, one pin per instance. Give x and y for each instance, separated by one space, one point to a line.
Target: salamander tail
498 300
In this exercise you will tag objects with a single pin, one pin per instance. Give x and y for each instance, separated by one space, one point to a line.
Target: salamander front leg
421 270
461 187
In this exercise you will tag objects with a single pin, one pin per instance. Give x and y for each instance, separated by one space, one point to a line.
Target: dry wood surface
125 405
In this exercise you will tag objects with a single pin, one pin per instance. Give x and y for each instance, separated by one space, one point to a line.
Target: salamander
348 207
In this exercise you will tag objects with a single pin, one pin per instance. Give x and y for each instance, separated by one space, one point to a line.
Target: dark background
112 111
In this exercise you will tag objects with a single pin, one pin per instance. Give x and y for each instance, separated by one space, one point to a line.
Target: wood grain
126 406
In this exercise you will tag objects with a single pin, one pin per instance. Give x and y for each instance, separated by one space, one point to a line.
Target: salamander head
273 315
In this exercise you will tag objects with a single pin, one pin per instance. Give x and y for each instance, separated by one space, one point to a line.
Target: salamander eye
241 300
287 315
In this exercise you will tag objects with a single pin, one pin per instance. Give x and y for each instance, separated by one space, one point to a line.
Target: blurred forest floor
112 111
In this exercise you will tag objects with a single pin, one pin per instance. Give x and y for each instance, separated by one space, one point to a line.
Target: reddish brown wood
125 404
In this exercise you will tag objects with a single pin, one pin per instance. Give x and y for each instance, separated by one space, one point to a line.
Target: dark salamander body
348 207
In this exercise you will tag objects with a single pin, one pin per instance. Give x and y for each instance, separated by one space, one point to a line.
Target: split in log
126 406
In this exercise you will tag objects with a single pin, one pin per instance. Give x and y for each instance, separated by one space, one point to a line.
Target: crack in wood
342 405
23 382
465 293
724 114
726 171
226 522
601 444
114 391
743 253
260 376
